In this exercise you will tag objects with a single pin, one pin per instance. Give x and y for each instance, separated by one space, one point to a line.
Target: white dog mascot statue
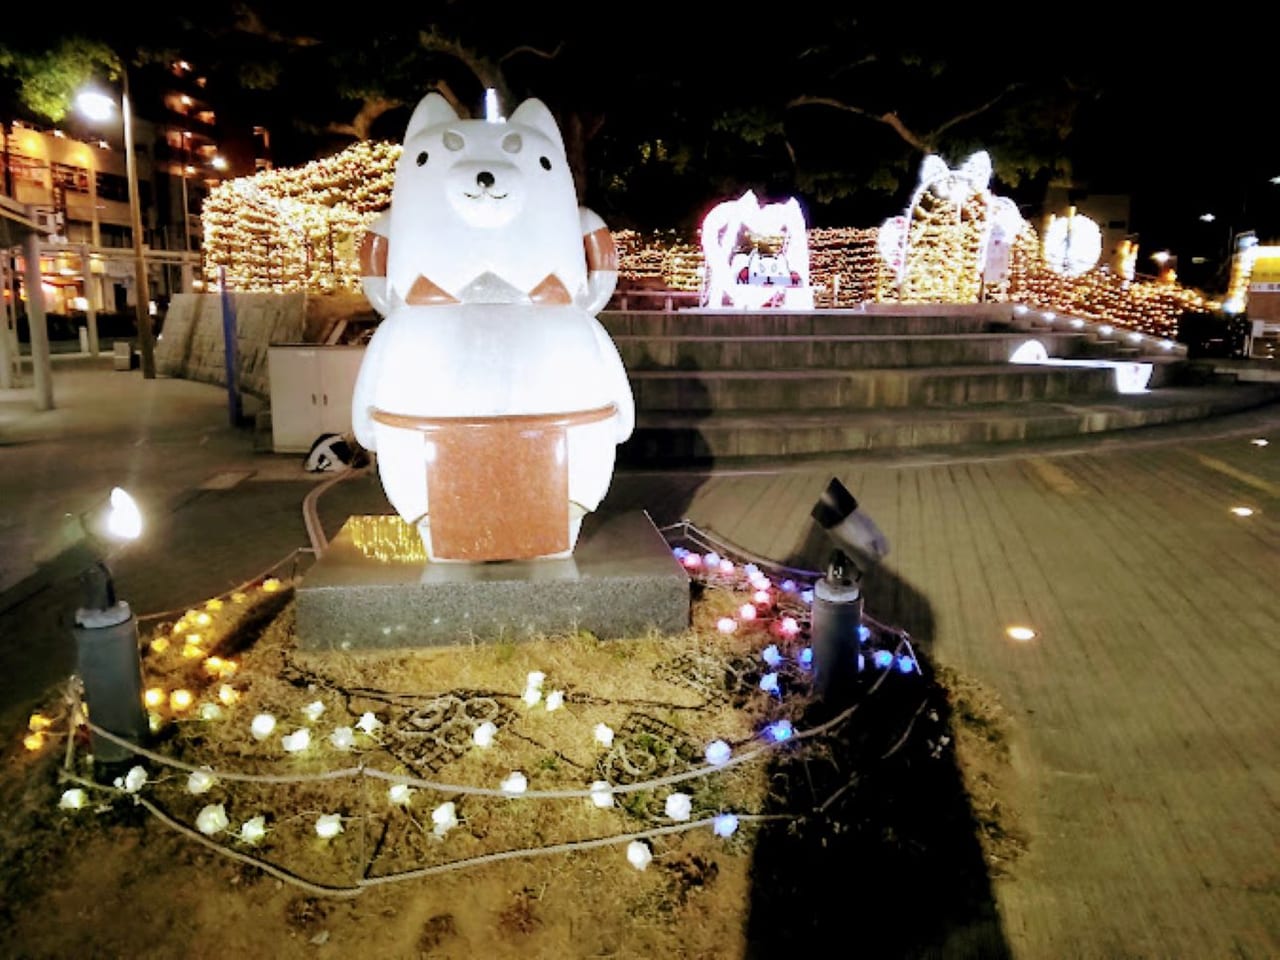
491 395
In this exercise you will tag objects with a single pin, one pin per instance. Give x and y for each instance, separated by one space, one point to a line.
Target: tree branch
968 115
248 21
891 118
525 48
482 68
372 108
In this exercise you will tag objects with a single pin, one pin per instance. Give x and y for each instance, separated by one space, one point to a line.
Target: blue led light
771 655
769 683
806 596
862 663
883 659
806 656
779 731
906 664
789 586
680 553
864 633
725 825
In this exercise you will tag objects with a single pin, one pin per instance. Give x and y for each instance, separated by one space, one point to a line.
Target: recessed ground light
1259 442
1135 337
1048 314
1105 329
1021 633
1242 511
1167 344
1077 322
1020 309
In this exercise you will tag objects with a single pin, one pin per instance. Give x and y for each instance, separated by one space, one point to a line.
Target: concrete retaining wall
192 345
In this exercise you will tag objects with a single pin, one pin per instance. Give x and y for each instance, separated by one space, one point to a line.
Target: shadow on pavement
884 861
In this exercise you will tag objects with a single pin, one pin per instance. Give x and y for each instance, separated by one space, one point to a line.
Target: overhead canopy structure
19 228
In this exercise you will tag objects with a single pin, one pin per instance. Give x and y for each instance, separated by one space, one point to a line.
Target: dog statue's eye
422 158
546 164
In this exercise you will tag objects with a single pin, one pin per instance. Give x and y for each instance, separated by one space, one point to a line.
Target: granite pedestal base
374 589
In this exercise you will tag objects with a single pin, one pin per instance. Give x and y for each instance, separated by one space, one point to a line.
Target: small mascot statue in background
491 395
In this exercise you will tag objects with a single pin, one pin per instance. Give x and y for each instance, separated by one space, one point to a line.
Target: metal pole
8 355
41 366
143 289
229 350
90 311
186 226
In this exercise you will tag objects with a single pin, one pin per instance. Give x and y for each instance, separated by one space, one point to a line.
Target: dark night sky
1185 126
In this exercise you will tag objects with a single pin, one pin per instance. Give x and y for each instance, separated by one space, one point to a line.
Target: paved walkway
1145 714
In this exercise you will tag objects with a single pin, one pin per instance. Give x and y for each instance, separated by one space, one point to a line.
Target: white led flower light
725 825
601 795
555 700
368 723
313 710
639 854
212 819
604 735
252 831
718 753
262 726
343 738
399 794
483 734
72 799
531 696
328 825
297 741
445 818
515 783
679 806
211 711
200 781
134 780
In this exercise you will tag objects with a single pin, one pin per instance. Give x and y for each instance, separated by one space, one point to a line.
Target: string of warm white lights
300 228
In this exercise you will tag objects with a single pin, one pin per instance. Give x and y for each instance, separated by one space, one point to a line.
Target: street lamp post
143 291
97 106
186 162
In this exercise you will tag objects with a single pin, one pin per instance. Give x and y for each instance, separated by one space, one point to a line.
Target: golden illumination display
387 539
300 229
33 741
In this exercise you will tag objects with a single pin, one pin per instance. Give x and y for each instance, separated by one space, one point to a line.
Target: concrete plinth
373 589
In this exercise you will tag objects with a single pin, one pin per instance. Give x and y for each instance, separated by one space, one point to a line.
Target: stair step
845 351
690 391
669 438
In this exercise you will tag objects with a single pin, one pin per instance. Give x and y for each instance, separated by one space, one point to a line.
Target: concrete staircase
722 385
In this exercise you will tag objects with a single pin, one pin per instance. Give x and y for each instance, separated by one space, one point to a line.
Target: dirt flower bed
439 802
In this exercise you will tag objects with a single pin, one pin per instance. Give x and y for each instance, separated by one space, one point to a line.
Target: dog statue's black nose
485 179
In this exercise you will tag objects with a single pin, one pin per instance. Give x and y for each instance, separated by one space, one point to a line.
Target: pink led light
762 596
692 561
747 611
726 625
789 627
726 566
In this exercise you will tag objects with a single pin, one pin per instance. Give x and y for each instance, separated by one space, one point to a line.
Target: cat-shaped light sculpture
956 236
756 255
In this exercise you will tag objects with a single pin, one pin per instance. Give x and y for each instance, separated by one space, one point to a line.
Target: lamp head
115 520
95 105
